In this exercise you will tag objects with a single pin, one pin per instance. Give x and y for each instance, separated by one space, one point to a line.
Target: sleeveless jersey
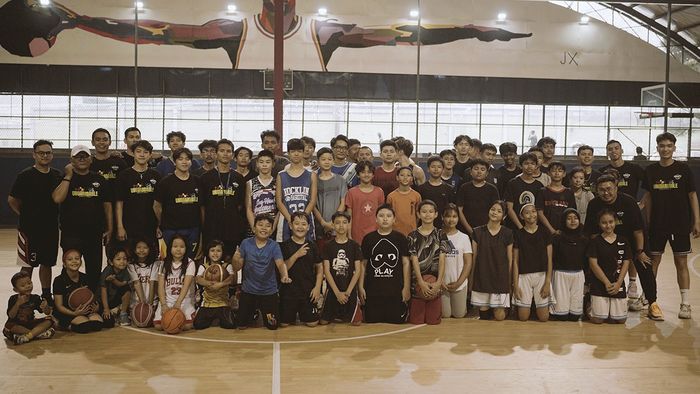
263 197
296 194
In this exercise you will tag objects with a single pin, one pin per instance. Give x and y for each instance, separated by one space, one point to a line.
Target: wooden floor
458 355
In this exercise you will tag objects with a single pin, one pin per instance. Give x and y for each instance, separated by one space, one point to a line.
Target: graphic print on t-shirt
385 257
526 197
341 264
188 198
90 192
143 187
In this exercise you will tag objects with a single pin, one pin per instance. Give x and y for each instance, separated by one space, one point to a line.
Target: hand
177 305
315 294
44 307
159 234
644 259
327 226
83 309
164 308
405 295
451 286
614 288
106 314
286 279
23 299
362 295
68 170
556 232
216 285
107 237
544 291
237 253
121 233
696 230
425 290
110 278
302 251
342 297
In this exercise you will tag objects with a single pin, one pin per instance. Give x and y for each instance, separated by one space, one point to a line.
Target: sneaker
46 334
20 339
633 290
124 319
635 304
655 312
684 313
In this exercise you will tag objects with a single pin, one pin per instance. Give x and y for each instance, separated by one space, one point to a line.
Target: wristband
65 179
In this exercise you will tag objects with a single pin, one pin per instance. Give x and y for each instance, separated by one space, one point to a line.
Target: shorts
385 309
37 248
530 286
29 325
290 307
425 311
491 300
680 243
333 310
267 304
568 291
608 308
187 309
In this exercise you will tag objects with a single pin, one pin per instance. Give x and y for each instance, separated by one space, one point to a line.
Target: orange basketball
172 321
142 315
430 279
79 297
215 273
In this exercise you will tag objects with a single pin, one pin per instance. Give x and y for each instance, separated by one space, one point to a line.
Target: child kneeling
215 295
175 284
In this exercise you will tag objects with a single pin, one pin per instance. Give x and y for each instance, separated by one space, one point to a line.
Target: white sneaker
633 290
684 313
635 304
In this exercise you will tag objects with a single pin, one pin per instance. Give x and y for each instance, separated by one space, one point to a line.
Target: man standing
585 159
547 144
270 140
207 151
341 165
672 206
132 135
223 201
631 175
86 212
176 141
104 162
37 231
629 224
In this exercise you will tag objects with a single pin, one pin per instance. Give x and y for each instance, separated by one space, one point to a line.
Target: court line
381 334
691 265
276 368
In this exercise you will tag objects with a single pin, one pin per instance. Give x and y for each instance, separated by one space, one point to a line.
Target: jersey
631 176
214 298
386 180
174 281
670 206
296 195
262 196
34 189
347 171
145 275
610 258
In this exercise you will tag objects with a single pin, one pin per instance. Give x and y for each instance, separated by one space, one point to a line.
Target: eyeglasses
43 153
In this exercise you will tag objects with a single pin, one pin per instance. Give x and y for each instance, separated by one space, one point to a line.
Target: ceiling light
323 11
231 8
584 20
45 2
414 13
502 16
139 5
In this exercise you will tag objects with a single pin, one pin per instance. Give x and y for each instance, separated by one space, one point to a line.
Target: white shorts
608 308
530 286
188 310
568 290
492 300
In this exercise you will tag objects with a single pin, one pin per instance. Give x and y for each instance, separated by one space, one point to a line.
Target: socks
684 296
485 315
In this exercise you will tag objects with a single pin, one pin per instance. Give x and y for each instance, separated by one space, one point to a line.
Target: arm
694 207
545 222
639 243
422 285
139 291
515 258
61 191
301 252
513 216
249 205
58 304
418 175
313 195
509 253
278 200
106 313
466 270
187 284
406 291
361 283
119 213
544 291
645 206
161 293
355 277
598 272
316 291
441 272
282 268
15 204
621 278
12 312
237 260
158 210
107 207
465 223
349 211
329 278
202 215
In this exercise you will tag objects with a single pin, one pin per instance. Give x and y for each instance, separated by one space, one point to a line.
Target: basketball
429 279
79 297
142 315
172 321
215 273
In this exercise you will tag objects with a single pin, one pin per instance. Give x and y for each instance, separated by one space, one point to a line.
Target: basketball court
459 354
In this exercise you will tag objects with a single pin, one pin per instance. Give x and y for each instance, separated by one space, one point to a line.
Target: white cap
79 148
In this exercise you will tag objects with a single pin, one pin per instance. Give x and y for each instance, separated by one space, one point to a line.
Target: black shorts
289 307
380 309
335 311
29 325
35 248
268 305
680 243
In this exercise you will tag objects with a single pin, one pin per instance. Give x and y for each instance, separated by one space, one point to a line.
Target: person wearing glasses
86 212
37 230
341 165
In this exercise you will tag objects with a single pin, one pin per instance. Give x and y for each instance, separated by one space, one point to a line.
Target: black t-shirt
137 191
341 258
180 202
504 176
520 192
34 188
302 273
569 252
460 167
82 211
610 259
491 176
628 217
63 285
441 195
670 205
532 250
384 270
223 198
631 176
129 160
109 169
475 202
553 203
491 267
25 313
589 180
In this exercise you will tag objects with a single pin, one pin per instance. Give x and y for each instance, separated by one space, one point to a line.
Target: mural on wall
30 29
